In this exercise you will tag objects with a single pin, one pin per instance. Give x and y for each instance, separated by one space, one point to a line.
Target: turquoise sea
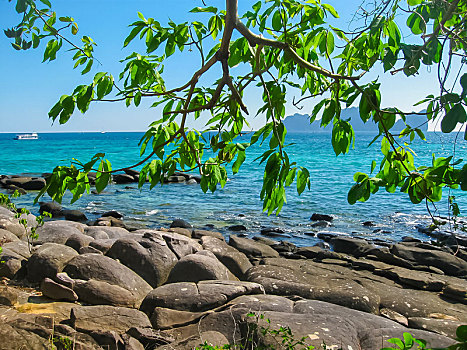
238 202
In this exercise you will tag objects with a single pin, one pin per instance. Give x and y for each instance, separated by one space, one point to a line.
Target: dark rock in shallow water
368 224
410 239
350 245
180 223
74 215
132 172
123 179
272 231
321 217
27 183
112 213
237 228
326 236
53 208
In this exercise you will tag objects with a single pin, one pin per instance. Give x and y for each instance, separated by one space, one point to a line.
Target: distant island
301 123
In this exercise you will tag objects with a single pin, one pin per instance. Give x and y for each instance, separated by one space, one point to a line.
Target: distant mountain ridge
301 123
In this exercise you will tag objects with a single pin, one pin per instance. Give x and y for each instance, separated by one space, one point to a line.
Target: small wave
153 212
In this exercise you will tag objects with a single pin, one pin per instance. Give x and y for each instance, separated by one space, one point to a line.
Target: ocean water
238 202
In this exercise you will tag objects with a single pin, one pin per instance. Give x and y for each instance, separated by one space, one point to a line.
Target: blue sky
29 88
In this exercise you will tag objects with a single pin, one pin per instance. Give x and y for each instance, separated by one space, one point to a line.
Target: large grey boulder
27 183
48 260
104 269
149 258
13 256
251 248
236 261
198 267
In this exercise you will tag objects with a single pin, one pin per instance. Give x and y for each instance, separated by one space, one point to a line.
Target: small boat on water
31 136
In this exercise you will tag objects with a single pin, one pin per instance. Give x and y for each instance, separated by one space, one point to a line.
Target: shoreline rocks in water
104 286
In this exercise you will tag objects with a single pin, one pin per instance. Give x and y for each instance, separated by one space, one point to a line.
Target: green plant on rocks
21 214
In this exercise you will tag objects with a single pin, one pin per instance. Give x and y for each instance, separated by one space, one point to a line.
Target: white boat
31 136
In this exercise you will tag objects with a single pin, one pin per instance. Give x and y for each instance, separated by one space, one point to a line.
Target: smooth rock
150 258
197 267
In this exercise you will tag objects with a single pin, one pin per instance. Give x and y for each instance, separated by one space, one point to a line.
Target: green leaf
461 333
329 43
463 81
238 162
277 21
303 180
455 115
21 6
331 10
211 9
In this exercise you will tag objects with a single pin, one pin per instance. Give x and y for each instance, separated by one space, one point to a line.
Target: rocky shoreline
101 285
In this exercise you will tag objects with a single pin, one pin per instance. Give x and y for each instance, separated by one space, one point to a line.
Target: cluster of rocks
22 183
175 288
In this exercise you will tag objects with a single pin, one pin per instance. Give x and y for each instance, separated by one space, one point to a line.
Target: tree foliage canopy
285 47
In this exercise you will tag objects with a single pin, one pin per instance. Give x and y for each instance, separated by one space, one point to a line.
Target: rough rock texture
56 291
252 248
448 263
104 269
198 267
335 281
205 295
236 261
339 327
107 318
